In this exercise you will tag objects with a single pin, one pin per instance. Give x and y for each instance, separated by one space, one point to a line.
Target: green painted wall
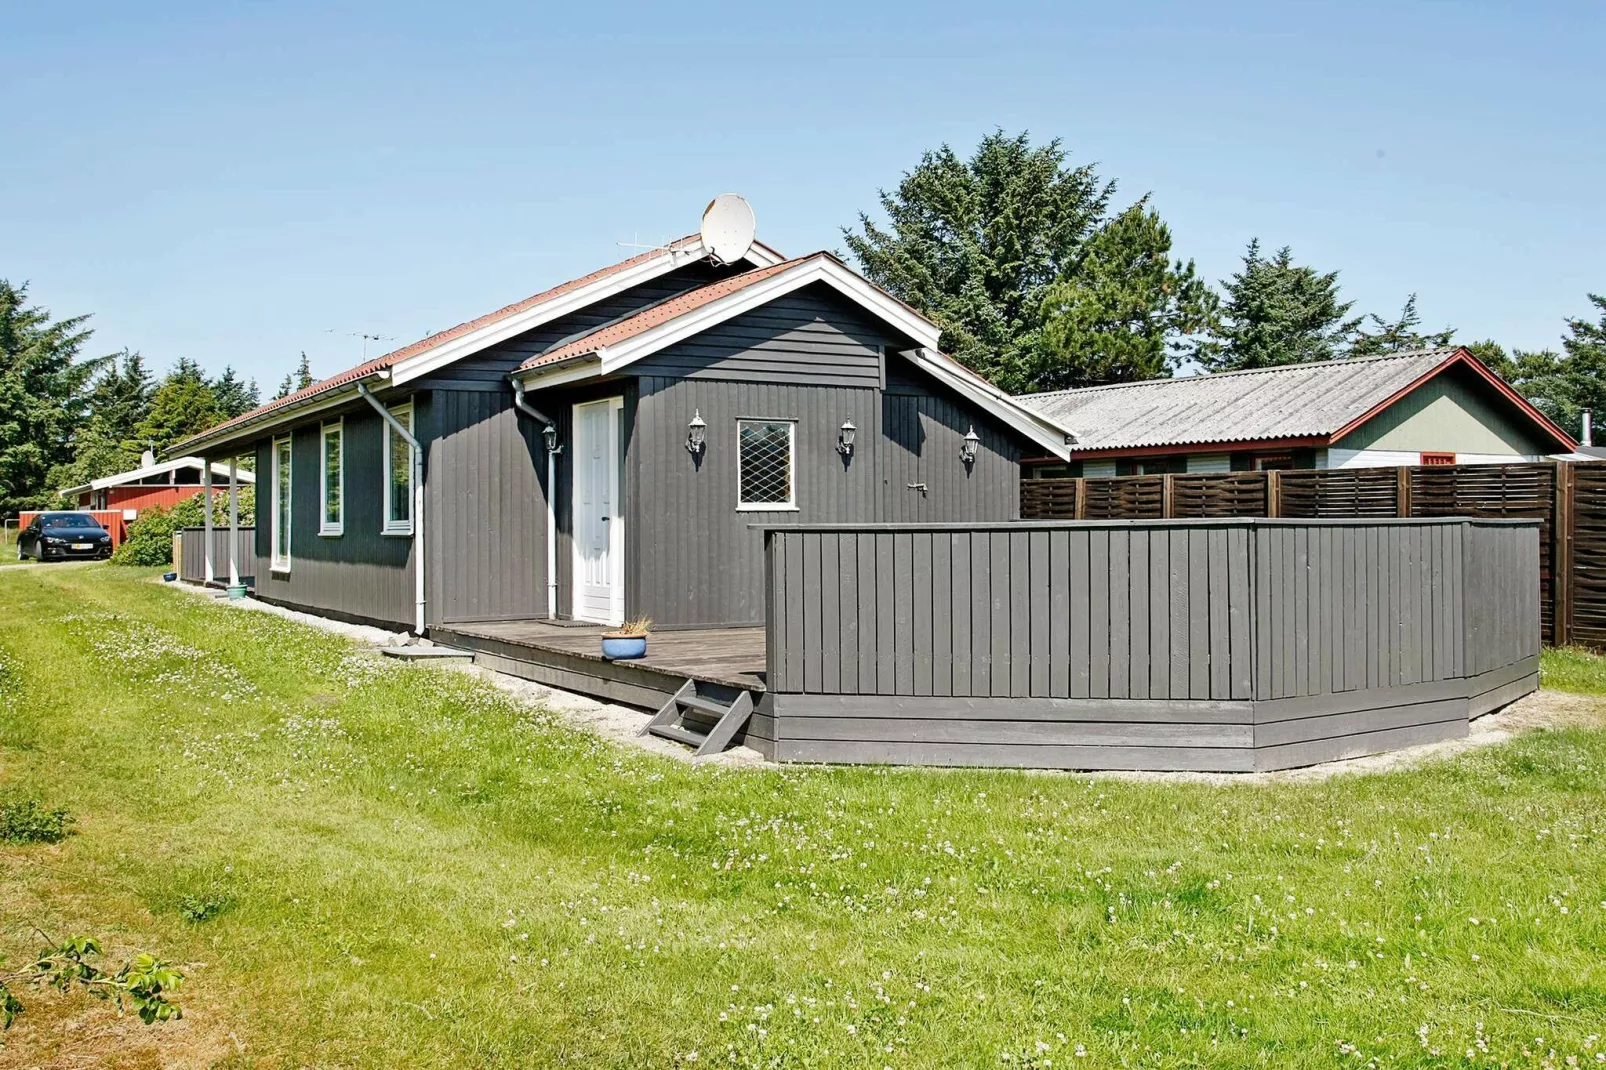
1453 413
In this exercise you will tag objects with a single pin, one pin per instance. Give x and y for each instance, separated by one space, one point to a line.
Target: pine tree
44 389
1277 312
183 405
1126 311
233 396
121 396
286 388
975 243
304 377
1401 336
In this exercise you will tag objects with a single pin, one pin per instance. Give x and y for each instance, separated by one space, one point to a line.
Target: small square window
766 461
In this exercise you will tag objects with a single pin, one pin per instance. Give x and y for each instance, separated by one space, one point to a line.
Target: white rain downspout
551 499
418 499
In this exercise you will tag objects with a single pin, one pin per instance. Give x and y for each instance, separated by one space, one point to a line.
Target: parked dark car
64 536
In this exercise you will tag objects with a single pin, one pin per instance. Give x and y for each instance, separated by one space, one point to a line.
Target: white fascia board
822 270
465 345
345 395
567 371
1034 426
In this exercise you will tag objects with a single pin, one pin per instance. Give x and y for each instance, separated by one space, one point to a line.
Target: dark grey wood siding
1220 644
694 558
812 337
361 574
486 510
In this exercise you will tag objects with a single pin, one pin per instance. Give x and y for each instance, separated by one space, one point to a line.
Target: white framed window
280 560
767 463
332 480
399 475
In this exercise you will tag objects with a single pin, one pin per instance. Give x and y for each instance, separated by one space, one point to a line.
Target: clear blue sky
229 182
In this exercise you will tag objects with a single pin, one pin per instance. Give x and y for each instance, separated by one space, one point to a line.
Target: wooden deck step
678 734
698 721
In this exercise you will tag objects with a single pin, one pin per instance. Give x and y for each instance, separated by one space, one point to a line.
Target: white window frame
282 564
791 460
337 526
404 414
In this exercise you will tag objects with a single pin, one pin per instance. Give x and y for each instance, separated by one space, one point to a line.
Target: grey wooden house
606 449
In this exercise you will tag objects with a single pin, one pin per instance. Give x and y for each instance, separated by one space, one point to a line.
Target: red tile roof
663 312
364 370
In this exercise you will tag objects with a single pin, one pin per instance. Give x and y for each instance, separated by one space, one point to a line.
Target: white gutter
551 498
418 499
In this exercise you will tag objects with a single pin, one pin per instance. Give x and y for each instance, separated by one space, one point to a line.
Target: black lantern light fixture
844 438
696 434
550 436
967 448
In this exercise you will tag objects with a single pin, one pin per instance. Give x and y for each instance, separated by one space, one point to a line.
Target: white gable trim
607 360
455 349
1053 437
818 269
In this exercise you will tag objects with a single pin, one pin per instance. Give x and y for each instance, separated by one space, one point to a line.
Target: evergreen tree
1563 385
975 243
233 396
304 377
286 388
1277 312
121 396
44 389
1401 336
1124 312
183 405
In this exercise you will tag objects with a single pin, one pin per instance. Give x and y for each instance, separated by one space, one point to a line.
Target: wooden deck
718 659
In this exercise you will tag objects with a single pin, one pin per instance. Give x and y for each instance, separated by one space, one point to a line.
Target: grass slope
398 866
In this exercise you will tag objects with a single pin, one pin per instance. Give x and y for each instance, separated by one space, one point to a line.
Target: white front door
599 529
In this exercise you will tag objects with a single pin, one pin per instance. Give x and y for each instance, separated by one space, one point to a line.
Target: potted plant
627 641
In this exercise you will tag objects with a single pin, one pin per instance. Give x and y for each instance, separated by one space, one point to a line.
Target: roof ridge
1274 369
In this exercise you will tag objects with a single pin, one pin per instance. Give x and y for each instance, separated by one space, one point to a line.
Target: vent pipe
1587 438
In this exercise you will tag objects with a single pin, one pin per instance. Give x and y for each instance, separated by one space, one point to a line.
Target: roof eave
265 423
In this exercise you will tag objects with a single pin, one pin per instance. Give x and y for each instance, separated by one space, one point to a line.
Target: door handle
605 520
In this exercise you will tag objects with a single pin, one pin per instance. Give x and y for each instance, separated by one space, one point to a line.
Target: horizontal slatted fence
1569 501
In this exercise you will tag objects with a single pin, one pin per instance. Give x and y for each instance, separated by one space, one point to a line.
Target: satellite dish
728 228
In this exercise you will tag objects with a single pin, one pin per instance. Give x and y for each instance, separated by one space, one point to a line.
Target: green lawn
411 870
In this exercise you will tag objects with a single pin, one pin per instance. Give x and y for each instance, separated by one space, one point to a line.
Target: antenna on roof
728 228
366 338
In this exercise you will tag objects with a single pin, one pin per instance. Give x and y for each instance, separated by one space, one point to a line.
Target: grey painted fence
192 554
1228 643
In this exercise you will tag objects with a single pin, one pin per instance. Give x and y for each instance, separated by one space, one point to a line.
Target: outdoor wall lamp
844 438
696 433
967 448
550 437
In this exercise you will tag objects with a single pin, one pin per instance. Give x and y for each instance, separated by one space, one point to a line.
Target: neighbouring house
1432 406
164 483
608 448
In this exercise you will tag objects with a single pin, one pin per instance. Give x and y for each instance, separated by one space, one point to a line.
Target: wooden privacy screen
1196 610
1568 500
1226 644
192 555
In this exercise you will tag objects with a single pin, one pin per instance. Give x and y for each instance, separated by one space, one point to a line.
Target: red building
167 483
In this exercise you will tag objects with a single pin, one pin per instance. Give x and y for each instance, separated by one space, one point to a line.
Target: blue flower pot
625 647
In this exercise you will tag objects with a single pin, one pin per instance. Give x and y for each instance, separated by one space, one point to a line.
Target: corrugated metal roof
1291 401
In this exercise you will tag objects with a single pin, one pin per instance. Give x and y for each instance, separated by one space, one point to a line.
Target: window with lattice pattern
764 450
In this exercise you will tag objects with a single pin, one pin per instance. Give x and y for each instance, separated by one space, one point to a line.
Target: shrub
25 821
150 538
